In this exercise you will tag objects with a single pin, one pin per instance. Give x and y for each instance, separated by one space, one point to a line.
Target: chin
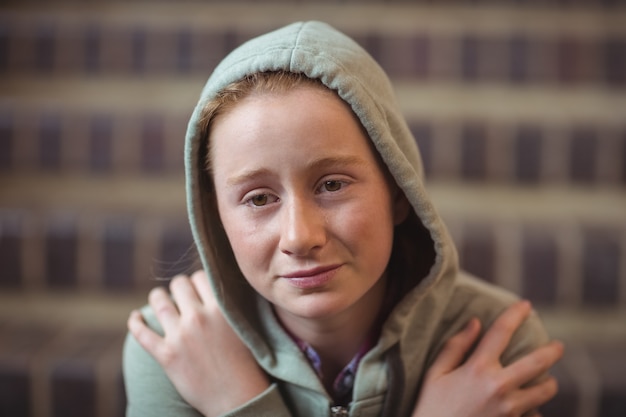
316 306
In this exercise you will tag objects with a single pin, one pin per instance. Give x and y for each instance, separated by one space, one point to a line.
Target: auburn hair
261 83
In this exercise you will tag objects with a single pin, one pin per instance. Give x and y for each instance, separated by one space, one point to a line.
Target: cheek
368 230
249 243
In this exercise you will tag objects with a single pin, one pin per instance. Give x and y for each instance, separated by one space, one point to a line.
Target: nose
303 228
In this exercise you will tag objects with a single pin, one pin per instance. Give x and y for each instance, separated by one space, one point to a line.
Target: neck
338 338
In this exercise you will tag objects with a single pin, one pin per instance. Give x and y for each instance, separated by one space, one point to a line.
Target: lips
312 278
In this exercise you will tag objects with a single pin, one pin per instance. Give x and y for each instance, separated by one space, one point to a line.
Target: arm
481 385
209 367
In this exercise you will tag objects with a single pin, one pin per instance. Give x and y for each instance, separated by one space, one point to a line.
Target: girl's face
305 205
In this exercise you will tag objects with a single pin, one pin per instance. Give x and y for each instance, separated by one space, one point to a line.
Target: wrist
248 389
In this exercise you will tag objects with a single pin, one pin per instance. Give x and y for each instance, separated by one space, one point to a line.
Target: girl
331 284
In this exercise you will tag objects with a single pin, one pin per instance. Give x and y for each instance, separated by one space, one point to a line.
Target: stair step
519 111
92 234
434 100
64 343
165 195
529 45
555 245
491 133
601 206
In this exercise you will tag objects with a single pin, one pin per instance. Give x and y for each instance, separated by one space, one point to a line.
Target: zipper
339 411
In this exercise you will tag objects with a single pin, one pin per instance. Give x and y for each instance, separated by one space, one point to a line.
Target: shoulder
472 294
137 361
149 391
473 297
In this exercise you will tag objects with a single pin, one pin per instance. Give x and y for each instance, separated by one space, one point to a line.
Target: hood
321 52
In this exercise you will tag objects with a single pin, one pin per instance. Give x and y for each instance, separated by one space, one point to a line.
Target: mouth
312 278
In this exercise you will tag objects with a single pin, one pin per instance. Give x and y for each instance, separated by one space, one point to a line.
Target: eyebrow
321 163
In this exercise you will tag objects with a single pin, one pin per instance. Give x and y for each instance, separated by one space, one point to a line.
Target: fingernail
559 344
471 324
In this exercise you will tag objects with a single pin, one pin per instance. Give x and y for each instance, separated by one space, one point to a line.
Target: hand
481 386
208 364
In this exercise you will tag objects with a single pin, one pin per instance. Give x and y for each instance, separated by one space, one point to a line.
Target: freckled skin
300 192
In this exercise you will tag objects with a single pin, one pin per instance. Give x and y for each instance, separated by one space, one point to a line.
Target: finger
166 312
498 336
203 287
534 364
146 337
455 350
535 396
184 294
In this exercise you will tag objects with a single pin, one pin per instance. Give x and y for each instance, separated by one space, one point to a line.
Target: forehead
302 132
300 118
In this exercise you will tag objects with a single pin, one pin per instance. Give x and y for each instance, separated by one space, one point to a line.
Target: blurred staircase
519 109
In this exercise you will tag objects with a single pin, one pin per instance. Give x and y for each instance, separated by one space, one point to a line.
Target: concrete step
519 111
534 44
557 246
92 234
63 343
487 133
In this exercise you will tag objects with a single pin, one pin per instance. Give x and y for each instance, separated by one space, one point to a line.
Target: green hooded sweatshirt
437 299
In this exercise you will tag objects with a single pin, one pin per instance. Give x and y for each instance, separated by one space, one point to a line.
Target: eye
259 200
332 185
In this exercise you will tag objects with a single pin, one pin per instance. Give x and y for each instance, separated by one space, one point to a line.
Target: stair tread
368 16
117 94
69 309
95 194
434 100
124 76
108 312
166 194
544 203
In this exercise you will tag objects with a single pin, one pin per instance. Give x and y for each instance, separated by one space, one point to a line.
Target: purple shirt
344 382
